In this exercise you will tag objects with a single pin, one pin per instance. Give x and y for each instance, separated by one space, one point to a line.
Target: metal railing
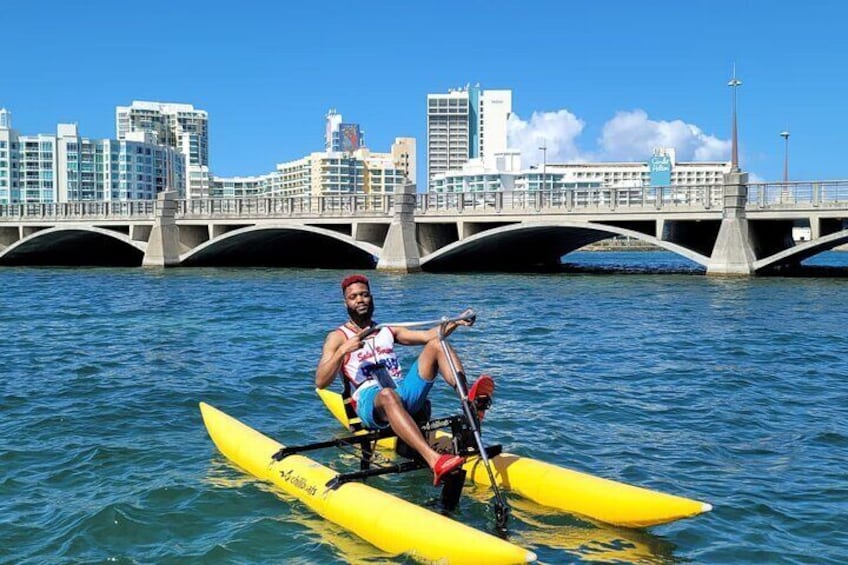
701 197
302 206
134 210
597 199
794 194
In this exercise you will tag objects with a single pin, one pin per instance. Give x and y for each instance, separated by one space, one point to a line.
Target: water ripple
681 383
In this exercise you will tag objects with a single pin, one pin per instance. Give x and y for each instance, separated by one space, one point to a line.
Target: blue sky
599 80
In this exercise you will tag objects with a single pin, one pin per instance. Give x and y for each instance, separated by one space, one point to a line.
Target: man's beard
361 320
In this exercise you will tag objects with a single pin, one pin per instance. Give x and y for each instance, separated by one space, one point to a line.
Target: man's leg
389 406
433 360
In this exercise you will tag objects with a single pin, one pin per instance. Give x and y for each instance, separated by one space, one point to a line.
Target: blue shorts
412 389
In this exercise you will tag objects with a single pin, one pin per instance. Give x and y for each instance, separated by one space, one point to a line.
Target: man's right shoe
446 463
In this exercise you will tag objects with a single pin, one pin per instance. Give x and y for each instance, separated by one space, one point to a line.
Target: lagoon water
730 391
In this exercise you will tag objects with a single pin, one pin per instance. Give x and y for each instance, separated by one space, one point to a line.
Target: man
382 395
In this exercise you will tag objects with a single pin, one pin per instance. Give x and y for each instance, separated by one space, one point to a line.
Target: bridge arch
797 253
534 245
75 245
283 246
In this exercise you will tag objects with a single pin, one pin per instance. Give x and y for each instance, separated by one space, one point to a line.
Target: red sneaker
446 463
481 394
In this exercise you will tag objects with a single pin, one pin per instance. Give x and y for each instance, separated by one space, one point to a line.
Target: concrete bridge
736 228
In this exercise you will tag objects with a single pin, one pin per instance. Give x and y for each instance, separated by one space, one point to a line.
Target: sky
592 80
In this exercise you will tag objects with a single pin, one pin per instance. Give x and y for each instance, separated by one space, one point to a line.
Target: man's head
358 300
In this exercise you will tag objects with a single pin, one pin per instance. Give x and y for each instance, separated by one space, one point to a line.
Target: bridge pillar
815 227
733 253
400 250
163 247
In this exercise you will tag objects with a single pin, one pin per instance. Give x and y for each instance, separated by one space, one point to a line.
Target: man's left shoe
481 394
446 463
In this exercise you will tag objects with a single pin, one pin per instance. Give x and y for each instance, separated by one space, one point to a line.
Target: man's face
359 301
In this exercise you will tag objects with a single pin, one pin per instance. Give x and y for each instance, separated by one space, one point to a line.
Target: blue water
729 391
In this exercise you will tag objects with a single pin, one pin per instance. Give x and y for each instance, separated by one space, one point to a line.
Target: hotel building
176 125
504 173
466 123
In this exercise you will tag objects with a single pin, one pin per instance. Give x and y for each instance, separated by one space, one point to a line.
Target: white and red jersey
360 367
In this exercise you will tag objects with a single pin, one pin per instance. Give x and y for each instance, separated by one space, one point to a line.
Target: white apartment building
176 125
465 123
240 187
66 167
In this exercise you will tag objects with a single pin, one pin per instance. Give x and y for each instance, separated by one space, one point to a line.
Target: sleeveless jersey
364 367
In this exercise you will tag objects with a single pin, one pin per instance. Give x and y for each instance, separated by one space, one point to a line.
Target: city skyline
594 86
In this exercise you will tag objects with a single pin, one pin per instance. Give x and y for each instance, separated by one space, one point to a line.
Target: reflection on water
586 539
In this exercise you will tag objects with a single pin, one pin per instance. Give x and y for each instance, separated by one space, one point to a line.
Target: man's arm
406 336
335 349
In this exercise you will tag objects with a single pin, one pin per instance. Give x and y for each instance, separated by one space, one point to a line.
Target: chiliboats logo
298 482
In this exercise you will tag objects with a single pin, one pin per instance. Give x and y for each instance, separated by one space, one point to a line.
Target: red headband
355 279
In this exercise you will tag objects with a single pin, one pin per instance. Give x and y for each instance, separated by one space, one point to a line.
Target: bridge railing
578 199
792 194
136 209
302 206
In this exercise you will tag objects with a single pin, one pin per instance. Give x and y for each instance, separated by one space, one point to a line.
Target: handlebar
467 315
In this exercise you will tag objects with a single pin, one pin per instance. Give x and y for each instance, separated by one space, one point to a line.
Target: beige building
329 173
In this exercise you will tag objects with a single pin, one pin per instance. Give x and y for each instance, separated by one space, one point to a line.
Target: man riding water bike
382 395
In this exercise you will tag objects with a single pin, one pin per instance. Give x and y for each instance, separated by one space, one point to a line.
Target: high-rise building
7 136
465 123
342 136
345 167
175 125
65 167
135 168
403 155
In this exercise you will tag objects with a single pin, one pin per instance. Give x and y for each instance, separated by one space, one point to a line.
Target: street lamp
734 83
544 150
785 135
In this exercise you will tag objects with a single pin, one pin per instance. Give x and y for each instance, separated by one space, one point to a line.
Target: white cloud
555 130
633 136
628 136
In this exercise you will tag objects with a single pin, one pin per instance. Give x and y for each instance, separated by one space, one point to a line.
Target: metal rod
443 320
501 507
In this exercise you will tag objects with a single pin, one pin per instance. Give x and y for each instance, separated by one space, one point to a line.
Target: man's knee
388 397
430 353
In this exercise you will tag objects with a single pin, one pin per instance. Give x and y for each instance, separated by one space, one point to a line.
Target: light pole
734 83
785 135
544 150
